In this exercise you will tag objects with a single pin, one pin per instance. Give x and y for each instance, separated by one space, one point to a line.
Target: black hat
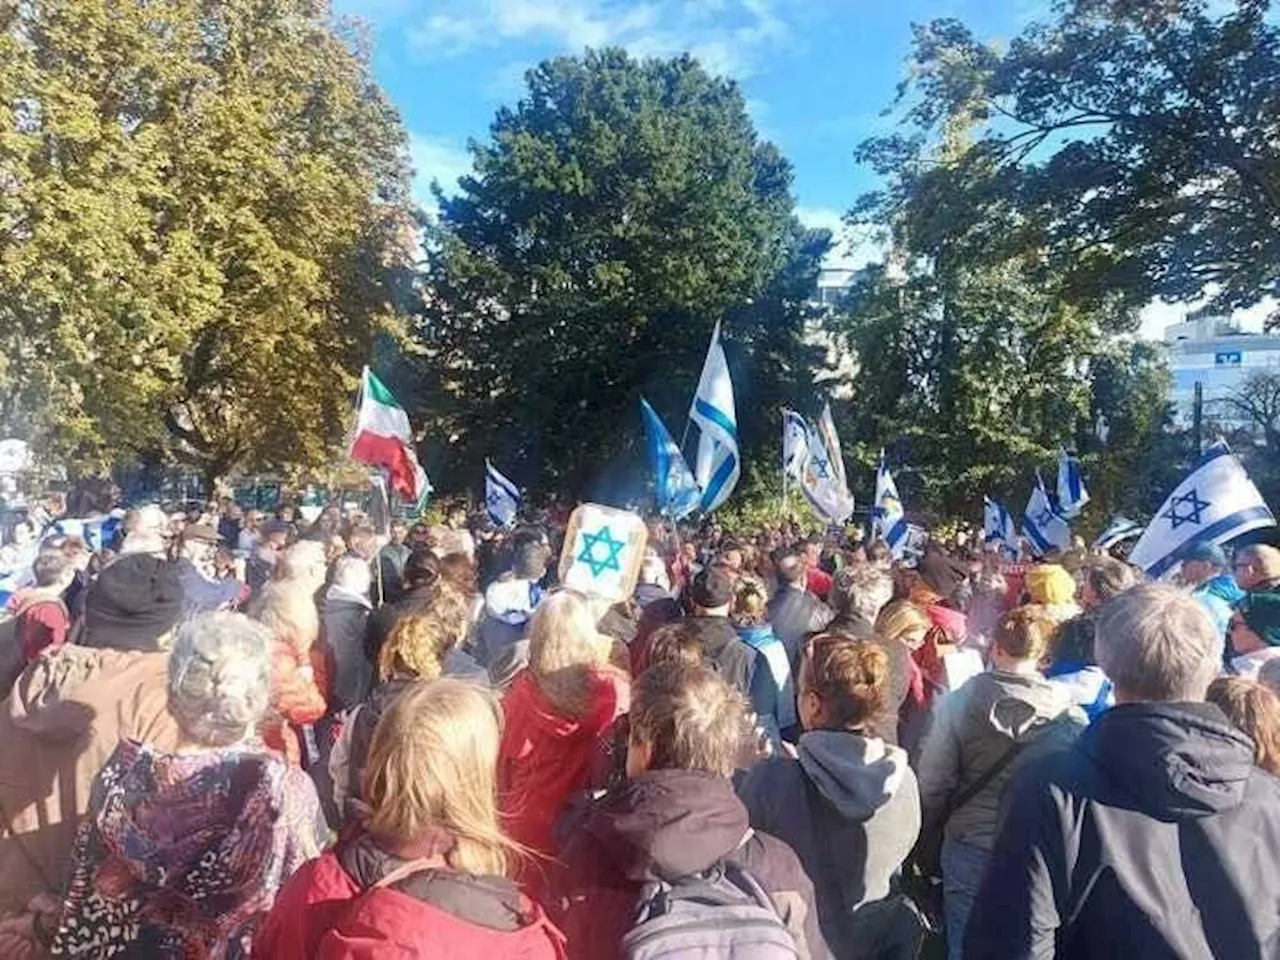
712 588
134 602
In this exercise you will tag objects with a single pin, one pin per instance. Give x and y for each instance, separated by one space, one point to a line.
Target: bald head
1257 565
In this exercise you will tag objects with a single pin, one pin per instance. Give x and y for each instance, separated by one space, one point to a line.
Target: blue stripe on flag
1073 480
1036 537
896 532
716 416
501 481
718 480
1210 534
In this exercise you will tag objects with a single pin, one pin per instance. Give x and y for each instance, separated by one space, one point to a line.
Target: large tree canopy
615 214
1137 144
202 206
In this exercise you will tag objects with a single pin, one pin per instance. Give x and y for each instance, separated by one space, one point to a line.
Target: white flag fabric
501 497
1072 495
998 526
717 465
795 444
1214 503
823 479
1042 525
889 521
1118 530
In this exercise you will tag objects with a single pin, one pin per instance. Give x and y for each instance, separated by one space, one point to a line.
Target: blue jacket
773 695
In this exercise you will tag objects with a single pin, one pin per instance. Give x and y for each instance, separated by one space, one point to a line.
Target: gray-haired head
352 575
220 677
1157 644
861 591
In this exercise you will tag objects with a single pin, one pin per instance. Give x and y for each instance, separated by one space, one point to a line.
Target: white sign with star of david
603 550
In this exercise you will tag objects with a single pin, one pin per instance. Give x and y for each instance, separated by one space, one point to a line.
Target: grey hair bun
220 677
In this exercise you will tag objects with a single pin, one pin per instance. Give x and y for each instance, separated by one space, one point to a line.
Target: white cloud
436 158
727 36
850 249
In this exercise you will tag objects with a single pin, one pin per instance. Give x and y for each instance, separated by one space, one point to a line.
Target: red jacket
546 757
42 621
325 911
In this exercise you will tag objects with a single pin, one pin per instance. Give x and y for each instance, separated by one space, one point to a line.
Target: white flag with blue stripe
1072 495
823 480
998 526
889 520
1041 523
501 498
717 465
1214 503
795 444
1119 530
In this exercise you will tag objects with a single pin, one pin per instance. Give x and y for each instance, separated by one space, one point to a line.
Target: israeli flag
1214 503
717 465
675 489
889 521
501 498
1041 523
1072 495
795 444
823 480
998 526
1119 530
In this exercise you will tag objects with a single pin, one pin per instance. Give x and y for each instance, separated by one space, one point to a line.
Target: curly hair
417 645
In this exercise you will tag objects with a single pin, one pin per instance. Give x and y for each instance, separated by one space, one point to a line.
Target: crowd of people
228 734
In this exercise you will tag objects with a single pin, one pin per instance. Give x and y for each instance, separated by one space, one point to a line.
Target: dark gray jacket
794 613
1152 838
867 823
346 619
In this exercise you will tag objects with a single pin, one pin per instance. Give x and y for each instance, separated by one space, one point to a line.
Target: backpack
722 914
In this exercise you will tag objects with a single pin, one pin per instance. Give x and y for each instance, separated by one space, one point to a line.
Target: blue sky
816 74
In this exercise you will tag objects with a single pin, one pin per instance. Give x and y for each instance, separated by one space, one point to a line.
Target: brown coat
57 728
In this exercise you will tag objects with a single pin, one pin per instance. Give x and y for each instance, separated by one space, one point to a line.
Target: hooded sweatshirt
64 718
973 728
1154 836
500 641
664 825
181 855
849 808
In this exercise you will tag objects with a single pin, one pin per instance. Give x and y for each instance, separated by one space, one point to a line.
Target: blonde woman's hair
432 767
901 620
417 646
288 610
565 650
1026 632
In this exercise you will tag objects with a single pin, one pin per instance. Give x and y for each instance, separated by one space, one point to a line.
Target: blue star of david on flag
820 468
1177 516
600 552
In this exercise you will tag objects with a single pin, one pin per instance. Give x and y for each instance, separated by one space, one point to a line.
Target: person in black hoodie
1154 836
676 815
712 596
849 806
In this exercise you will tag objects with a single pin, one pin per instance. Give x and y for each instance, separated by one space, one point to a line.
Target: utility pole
1197 416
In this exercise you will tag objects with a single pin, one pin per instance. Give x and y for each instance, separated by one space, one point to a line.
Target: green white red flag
383 439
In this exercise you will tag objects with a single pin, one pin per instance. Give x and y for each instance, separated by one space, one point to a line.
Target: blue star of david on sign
1185 509
820 468
600 552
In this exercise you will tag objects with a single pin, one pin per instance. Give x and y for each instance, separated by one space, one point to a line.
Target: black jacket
794 614
734 660
1153 838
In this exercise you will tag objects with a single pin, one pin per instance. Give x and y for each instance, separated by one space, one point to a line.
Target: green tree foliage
615 214
203 207
1136 143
